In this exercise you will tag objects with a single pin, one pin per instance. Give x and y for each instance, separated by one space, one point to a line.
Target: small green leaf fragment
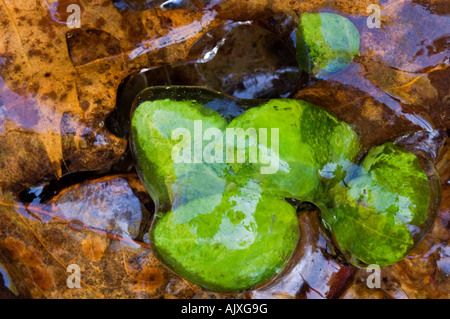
326 43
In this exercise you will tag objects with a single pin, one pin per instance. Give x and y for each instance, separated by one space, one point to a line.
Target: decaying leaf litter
56 95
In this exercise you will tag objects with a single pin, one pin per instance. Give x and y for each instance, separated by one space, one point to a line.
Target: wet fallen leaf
58 85
315 271
99 225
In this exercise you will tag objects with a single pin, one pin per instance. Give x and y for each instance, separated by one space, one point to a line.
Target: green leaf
402 184
326 43
309 137
152 125
290 157
225 225
369 214
230 241
367 234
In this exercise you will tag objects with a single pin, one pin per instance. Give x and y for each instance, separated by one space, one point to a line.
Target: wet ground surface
68 189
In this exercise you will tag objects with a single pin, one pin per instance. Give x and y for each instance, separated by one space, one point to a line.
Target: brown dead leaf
314 272
57 85
411 88
95 225
94 247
